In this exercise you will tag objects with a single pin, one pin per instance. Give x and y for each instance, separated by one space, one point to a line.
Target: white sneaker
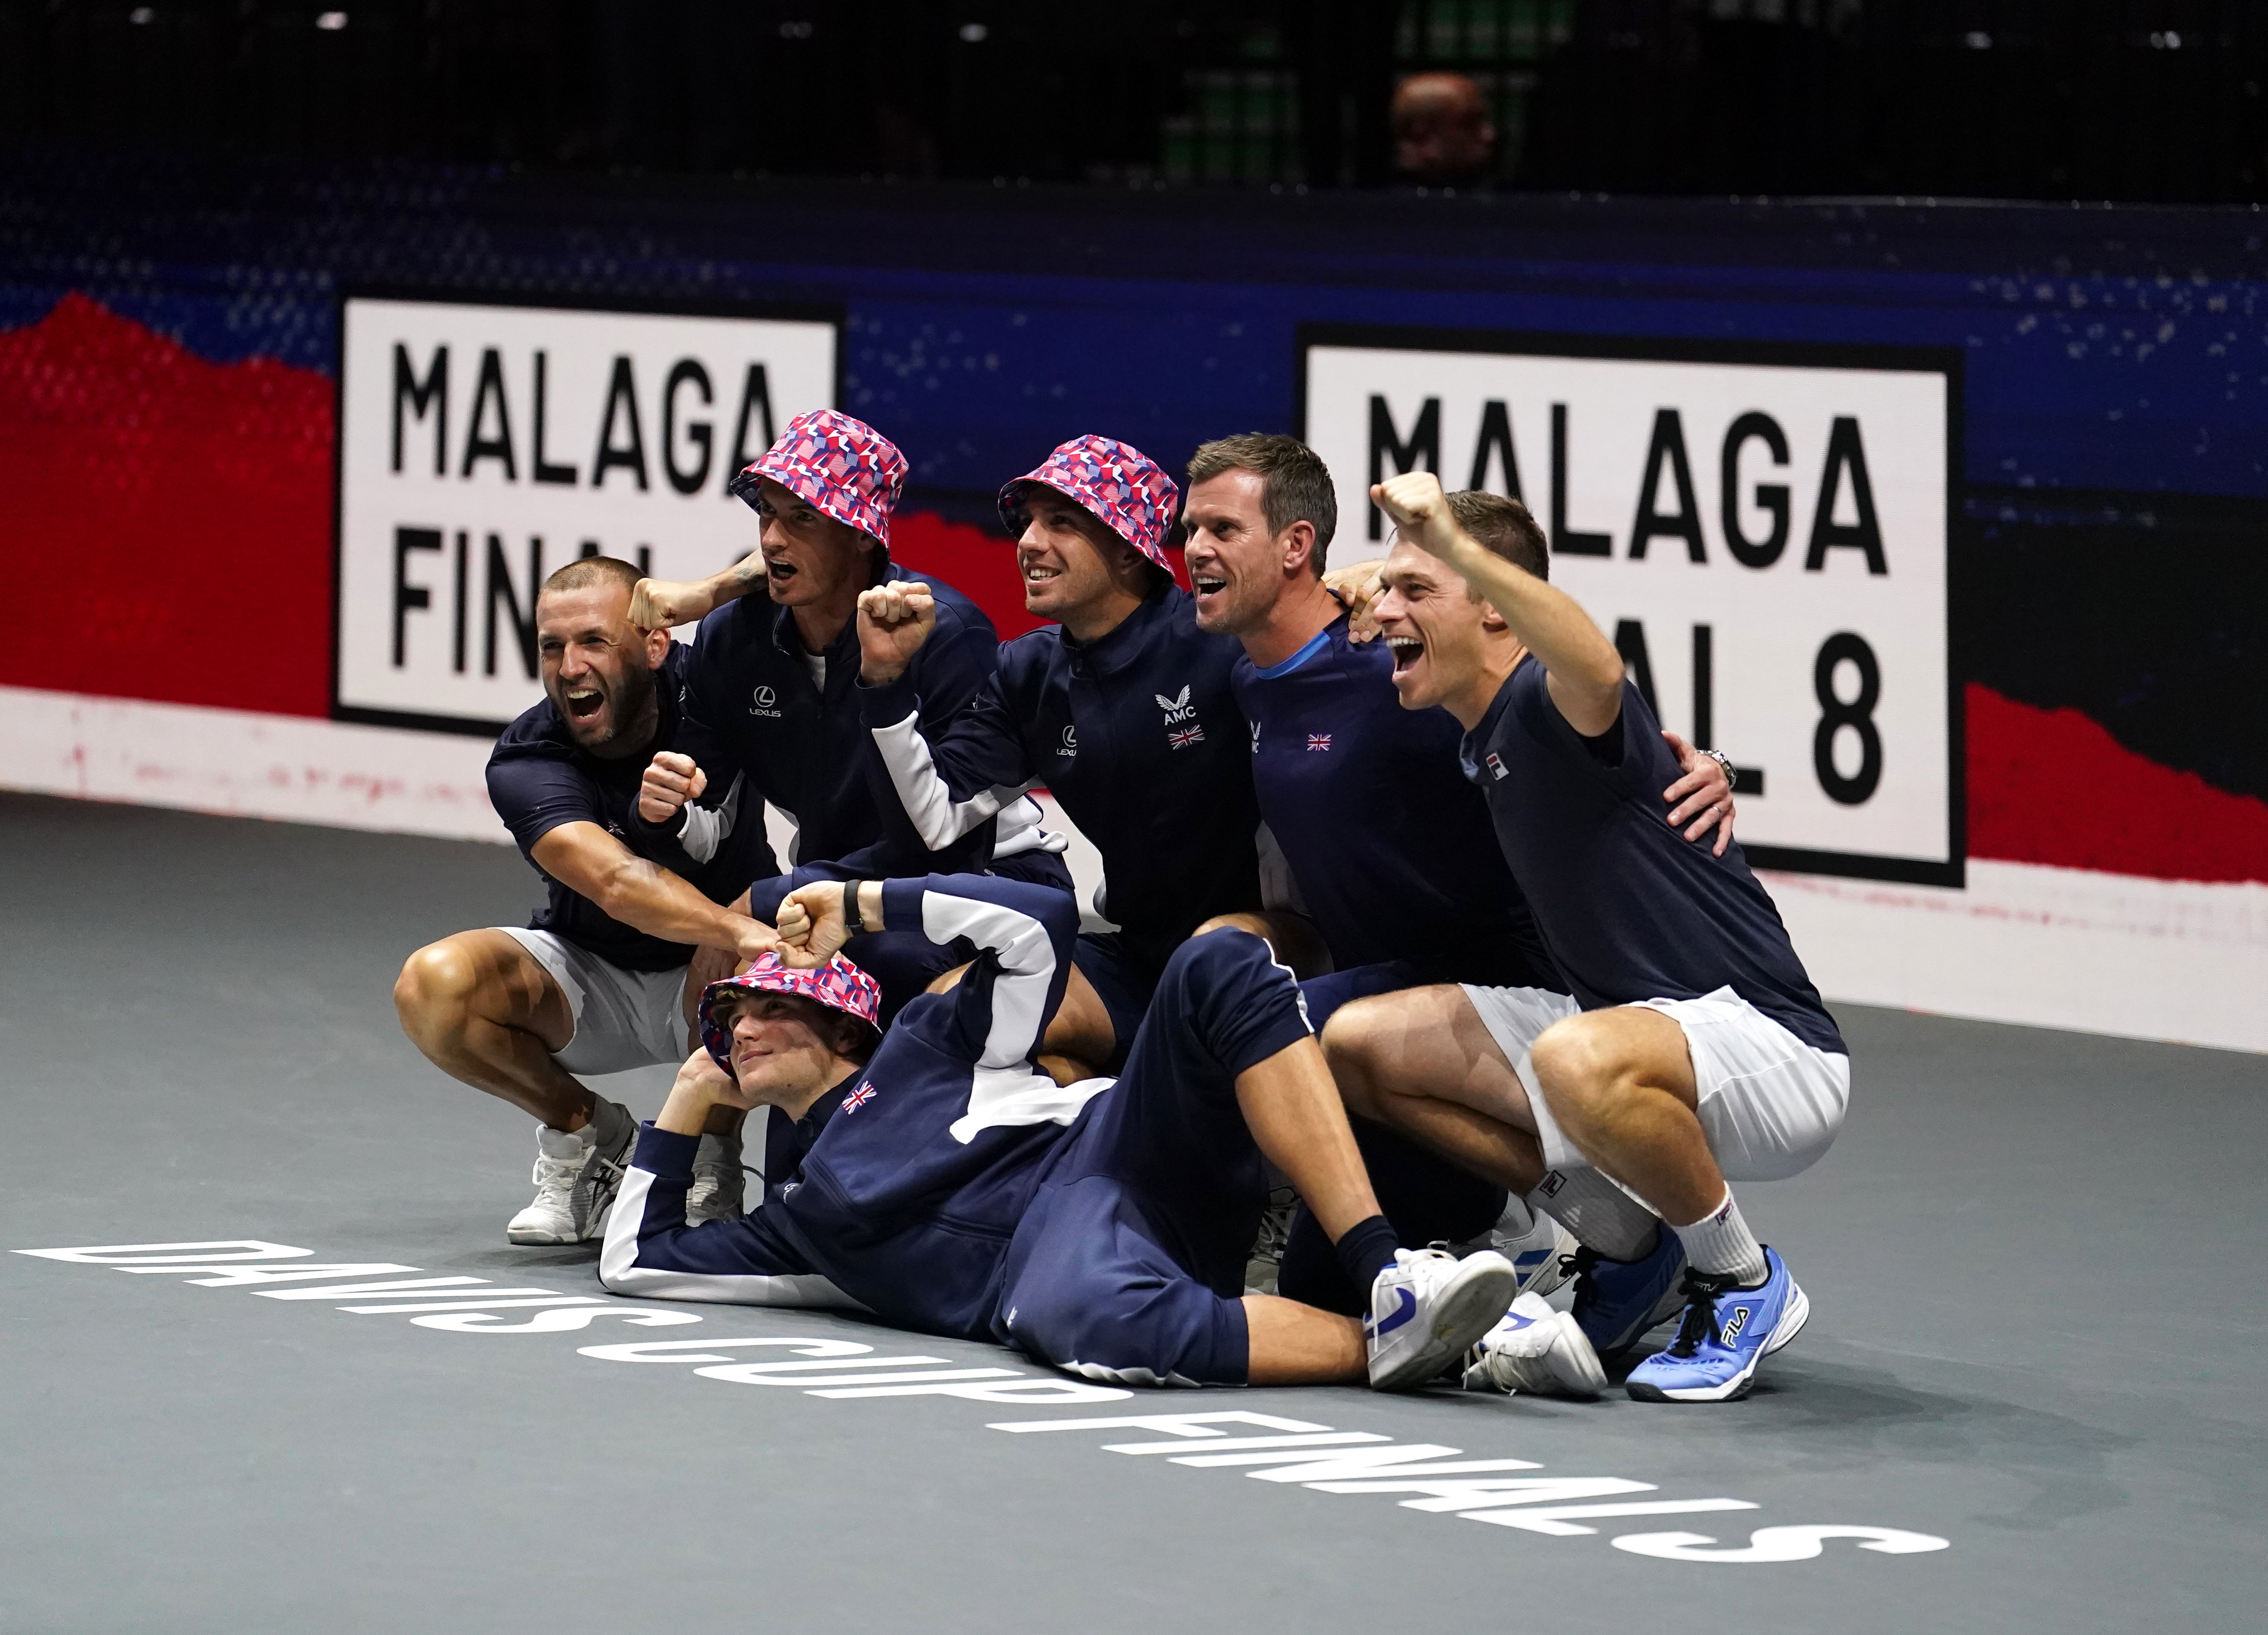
1537 1350
1540 1250
716 1192
575 1178
1428 1308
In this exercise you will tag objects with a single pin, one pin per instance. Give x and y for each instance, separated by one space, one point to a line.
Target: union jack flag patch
1319 740
858 1098
1187 736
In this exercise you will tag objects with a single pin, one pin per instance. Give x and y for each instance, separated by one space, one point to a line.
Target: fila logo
1740 1321
1070 743
767 702
1551 1184
1177 709
1496 766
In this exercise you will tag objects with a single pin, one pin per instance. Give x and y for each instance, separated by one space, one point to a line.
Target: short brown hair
586 570
1295 485
1503 528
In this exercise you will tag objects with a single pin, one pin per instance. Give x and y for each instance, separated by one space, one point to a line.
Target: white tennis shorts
1771 1104
622 1019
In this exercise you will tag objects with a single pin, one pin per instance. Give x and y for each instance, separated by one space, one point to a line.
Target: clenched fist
668 783
894 621
657 604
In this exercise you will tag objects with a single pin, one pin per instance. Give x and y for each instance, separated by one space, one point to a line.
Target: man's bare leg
485 1012
1080 1037
1421 1061
1620 1083
1292 938
1293 1110
1296 1344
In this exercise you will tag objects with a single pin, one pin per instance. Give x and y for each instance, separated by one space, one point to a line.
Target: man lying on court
951 1187
1694 1048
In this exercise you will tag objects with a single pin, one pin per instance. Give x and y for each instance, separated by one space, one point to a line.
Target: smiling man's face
598 668
1431 624
1236 562
1068 561
784 1046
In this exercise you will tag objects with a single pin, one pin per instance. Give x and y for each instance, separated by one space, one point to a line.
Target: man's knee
1582 1063
1353 1047
435 992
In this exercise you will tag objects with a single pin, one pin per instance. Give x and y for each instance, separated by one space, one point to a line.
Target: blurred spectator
1443 136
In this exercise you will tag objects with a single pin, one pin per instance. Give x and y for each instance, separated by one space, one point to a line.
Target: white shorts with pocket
622 1019
1771 1104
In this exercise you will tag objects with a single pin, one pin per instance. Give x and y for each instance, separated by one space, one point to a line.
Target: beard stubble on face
629 700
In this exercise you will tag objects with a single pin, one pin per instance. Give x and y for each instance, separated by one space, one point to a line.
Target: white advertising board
484 446
1763 529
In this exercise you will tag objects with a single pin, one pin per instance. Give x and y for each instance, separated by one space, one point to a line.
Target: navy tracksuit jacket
956 1189
1134 733
765 729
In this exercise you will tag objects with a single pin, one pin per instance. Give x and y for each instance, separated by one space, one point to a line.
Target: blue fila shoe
1617 1301
1428 1308
1727 1332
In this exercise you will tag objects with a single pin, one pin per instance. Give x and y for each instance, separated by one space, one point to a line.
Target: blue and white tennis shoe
1428 1308
1536 1349
1727 1332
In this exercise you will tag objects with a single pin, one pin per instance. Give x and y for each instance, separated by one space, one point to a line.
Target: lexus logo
765 697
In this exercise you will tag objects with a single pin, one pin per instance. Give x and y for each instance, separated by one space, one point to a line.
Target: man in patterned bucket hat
1122 710
958 1190
771 712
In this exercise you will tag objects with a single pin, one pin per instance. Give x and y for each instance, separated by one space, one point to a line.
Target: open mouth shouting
585 705
779 573
1407 651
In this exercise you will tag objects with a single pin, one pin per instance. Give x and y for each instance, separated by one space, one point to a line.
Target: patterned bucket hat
1122 486
838 985
843 466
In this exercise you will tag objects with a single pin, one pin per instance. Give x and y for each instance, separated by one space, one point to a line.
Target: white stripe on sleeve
937 817
620 1272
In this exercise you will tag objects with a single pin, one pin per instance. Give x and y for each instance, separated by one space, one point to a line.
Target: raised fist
894 621
668 783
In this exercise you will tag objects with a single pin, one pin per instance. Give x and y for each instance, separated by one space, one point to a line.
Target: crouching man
1100 1226
604 976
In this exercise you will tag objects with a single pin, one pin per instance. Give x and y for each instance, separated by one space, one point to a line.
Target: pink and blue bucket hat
838 985
841 465
1120 484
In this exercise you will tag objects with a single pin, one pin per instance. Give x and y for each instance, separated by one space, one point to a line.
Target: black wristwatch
853 923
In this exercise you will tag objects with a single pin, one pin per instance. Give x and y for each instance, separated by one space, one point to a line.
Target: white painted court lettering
1427 1477
1362 1461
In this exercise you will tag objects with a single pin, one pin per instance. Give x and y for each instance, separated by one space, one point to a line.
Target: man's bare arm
1584 670
585 858
657 604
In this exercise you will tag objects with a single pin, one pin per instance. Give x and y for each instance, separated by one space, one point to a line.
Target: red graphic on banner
168 520
2052 786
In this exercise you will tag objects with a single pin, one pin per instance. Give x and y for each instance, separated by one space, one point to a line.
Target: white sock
1601 1214
1721 1243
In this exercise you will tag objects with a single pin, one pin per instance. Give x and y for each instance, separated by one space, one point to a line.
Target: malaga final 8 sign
1763 529
484 446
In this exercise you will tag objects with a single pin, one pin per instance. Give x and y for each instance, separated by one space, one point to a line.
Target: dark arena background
1892 378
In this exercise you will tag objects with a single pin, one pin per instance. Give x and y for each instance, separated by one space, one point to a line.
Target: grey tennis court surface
2036 1336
